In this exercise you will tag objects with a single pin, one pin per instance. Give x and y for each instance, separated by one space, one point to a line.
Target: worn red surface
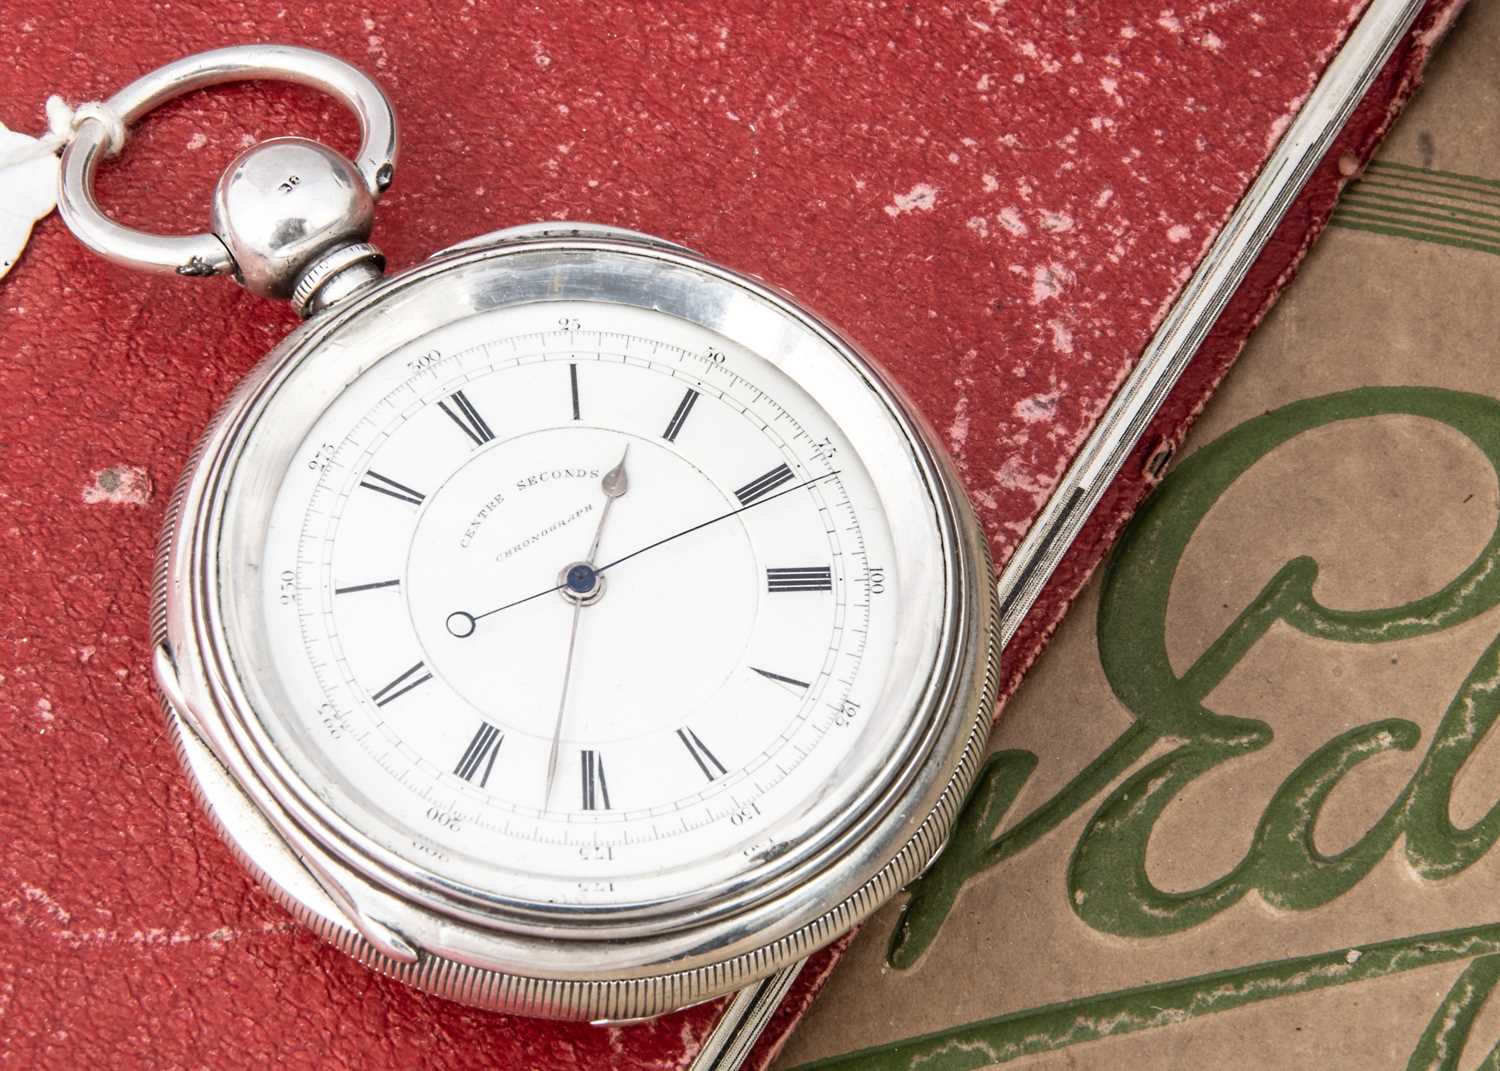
1000 200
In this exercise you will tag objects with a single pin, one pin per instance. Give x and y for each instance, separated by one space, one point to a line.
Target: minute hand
716 520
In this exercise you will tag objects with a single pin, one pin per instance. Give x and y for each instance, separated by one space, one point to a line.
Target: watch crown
336 275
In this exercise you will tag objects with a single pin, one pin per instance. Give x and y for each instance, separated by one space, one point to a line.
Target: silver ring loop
204 254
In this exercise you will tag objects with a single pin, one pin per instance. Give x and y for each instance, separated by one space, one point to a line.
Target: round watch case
560 961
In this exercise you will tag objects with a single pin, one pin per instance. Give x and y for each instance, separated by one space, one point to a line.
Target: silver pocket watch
567 625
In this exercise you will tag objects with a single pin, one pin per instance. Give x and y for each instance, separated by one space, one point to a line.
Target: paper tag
28 190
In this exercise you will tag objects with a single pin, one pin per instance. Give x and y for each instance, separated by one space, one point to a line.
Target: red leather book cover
999 200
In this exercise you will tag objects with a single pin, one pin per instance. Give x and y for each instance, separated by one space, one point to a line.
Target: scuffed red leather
991 197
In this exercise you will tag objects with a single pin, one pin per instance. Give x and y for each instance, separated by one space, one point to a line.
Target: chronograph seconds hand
582 585
462 624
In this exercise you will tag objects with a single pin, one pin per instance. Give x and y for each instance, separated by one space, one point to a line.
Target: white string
63 123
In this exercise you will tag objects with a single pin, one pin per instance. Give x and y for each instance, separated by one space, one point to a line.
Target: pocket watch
572 626
566 625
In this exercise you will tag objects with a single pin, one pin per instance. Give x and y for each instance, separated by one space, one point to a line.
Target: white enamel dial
581 603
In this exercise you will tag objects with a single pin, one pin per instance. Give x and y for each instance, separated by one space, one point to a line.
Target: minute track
523 390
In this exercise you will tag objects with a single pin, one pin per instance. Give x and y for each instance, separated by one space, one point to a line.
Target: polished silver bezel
557 960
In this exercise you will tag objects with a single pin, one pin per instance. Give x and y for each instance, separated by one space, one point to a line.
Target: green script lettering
1108 884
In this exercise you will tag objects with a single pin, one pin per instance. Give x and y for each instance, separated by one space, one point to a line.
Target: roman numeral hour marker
701 755
352 588
387 486
779 679
401 685
479 757
462 412
763 485
803 578
684 407
595 789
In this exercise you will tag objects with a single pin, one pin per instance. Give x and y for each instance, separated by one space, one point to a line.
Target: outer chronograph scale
510 506
616 636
